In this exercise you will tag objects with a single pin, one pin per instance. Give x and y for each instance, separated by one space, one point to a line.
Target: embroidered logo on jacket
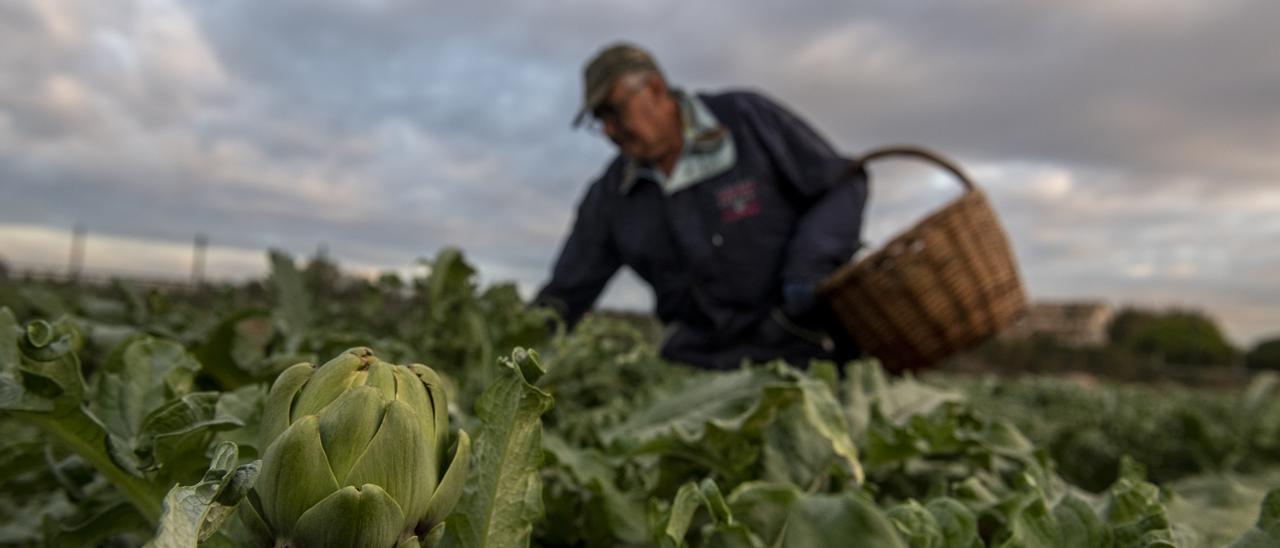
738 200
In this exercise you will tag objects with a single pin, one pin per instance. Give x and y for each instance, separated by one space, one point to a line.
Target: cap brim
578 118
592 102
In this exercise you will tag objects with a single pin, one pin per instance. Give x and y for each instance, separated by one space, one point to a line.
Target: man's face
640 118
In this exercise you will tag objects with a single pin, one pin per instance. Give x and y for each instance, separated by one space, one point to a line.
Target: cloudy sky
1130 147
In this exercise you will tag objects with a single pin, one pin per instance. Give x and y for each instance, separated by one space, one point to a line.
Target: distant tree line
1265 355
1140 343
1180 337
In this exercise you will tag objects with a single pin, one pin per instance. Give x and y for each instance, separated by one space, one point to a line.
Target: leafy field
134 417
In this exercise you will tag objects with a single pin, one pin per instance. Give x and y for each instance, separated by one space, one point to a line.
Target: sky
1129 146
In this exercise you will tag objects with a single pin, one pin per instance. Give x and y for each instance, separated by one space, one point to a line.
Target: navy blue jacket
718 252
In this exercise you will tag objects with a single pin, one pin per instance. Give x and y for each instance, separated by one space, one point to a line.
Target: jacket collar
708 150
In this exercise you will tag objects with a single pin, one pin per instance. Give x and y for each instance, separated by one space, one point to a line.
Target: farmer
731 207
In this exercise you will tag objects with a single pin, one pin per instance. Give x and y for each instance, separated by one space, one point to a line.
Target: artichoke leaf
330 381
394 459
348 426
352 518
278 409
295 474
450 489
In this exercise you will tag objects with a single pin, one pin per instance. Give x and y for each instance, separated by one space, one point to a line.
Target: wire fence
61 273
77 269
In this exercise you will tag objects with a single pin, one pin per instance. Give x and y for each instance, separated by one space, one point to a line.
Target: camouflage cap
604 69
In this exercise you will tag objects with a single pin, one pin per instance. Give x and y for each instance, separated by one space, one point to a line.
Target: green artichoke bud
355 452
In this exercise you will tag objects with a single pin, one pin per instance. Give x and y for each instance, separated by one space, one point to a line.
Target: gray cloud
1129 146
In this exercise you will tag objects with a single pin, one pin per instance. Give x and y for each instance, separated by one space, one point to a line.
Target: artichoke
354 455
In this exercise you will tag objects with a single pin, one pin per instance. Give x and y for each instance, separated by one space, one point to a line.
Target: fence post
78 235
197 258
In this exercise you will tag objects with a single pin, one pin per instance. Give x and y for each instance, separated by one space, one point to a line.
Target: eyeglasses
612 112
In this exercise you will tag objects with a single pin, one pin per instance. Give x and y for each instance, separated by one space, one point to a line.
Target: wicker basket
945 285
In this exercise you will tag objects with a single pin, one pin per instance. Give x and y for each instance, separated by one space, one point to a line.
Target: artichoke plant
355 456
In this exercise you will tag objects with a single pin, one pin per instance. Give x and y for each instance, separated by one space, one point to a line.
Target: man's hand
798 298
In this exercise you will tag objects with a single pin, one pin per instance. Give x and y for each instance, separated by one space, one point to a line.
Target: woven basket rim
917 299
832 282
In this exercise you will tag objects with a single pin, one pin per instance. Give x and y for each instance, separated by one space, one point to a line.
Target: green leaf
193 514
719 426
235 351
94 528
728 401
103 335
824 415
84 435
45 302
40 380
719 528
140 377
294 306
460 327
1267 530
622 511
763 508
867 390
504 496
18 458
865 384
175 436
844 519
795 452
1134 510
245 405
1078 524
39 370
1261 391
678 518
942 523
450 275
917 526
1072 522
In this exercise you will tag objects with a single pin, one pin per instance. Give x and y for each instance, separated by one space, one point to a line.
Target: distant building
1080 323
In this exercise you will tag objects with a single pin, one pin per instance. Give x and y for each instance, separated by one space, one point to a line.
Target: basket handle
921 153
